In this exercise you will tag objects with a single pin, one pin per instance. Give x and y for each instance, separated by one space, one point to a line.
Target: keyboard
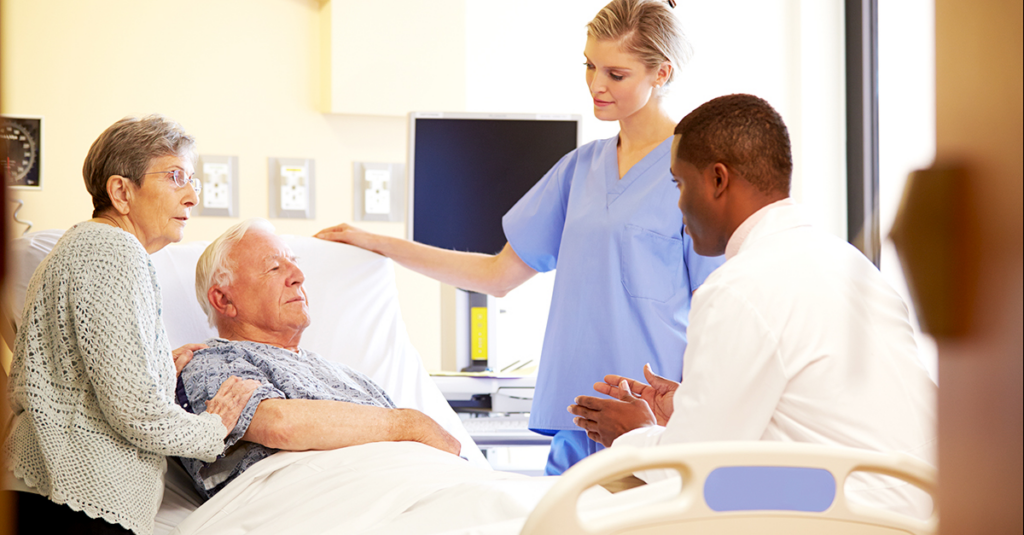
496 424
503 430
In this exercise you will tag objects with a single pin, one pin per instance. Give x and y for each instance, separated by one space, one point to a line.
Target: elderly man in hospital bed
320 447
795 338
251 289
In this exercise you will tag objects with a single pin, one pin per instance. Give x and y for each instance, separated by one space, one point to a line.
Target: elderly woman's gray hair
126 148
214 268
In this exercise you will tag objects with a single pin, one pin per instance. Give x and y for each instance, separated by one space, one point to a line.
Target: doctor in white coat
795 338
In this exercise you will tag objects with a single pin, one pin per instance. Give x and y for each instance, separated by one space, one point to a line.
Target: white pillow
23 255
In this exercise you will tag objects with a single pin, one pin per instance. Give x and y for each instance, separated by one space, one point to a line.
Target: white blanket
380 488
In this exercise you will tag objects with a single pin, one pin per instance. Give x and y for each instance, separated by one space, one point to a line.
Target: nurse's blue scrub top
625 272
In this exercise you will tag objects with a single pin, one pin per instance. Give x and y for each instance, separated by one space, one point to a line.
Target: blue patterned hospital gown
285 375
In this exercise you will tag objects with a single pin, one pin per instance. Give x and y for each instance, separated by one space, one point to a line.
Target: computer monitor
467 169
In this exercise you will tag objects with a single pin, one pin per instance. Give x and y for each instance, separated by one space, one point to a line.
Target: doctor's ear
719 176
221 302
120 191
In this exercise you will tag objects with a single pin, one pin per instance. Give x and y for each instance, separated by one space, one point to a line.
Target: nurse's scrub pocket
651 263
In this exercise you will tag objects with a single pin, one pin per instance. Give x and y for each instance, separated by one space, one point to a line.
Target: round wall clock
22 155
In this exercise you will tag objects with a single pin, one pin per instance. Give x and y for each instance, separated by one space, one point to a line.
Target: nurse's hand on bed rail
658 394
231 398
183 355
490 274
345 233
605 420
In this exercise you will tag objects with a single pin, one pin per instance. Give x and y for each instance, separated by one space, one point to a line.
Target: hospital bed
410 488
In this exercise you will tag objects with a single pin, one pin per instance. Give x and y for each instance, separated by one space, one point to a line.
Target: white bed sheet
394 489
384 488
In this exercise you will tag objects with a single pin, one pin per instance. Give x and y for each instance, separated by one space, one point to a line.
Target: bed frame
688 511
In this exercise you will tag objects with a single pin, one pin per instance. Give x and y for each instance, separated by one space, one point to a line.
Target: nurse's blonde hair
645 28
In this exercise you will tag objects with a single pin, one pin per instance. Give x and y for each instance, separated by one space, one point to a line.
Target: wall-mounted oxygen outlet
219 176
378 191
291 188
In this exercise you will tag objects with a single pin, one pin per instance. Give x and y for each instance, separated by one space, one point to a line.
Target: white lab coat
798 338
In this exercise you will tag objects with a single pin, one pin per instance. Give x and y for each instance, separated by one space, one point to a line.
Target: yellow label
478 333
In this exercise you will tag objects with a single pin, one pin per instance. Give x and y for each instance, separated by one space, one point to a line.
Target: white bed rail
688 512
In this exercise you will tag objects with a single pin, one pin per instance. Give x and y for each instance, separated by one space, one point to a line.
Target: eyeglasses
179 178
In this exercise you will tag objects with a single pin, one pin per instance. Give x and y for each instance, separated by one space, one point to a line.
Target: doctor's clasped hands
633 405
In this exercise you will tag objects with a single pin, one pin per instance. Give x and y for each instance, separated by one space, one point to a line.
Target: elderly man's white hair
214 267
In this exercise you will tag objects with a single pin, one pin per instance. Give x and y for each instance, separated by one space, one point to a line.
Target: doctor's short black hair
743 132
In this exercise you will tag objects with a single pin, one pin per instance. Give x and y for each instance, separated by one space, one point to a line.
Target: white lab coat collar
743 232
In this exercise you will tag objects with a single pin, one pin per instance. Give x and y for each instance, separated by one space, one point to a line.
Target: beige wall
246 77
242 77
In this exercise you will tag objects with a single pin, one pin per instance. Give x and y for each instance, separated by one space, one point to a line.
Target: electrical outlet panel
378 191
377 194
291 188
217 185
219 176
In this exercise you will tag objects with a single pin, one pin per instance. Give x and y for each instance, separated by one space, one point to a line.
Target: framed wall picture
23 155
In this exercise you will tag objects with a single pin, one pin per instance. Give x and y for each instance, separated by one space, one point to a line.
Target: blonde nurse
605 217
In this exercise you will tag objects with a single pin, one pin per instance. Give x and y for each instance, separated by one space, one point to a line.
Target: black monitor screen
466 173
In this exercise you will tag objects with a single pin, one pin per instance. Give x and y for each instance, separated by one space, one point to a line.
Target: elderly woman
93 377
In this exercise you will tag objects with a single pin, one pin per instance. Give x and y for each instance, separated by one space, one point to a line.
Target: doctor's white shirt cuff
641 437
646 437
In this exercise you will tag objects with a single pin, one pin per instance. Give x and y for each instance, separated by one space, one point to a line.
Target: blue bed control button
781 488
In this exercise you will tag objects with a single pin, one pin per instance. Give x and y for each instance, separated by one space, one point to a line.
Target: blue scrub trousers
567 449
